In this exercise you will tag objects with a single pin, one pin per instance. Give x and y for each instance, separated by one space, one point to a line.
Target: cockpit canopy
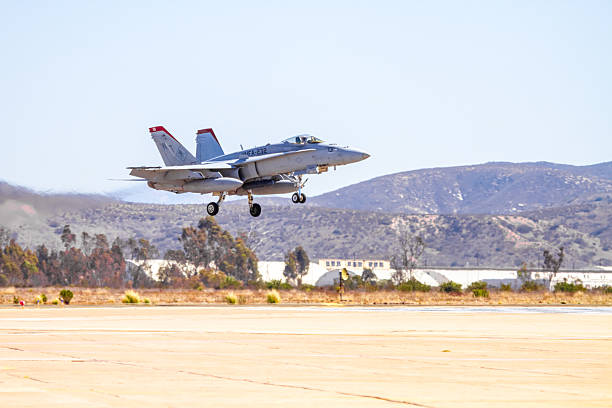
302 139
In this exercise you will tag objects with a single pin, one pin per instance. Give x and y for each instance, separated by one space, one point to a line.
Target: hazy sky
415 83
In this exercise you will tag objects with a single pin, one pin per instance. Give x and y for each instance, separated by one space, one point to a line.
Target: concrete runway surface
305 357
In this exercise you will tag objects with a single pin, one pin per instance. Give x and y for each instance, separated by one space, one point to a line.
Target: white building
431 276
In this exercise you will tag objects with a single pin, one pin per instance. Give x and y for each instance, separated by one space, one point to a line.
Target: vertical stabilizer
172 152
207 145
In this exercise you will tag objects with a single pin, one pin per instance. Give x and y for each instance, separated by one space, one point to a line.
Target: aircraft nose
360 154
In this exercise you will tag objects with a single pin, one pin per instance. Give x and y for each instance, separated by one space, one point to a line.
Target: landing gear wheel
295 198
302 198
255 210
212 208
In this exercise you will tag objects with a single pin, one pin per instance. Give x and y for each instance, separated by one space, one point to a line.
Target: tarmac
277 356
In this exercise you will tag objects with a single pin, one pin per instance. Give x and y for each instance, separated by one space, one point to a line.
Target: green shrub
307 288
273 296
573 287
476 285
273 284
231 298
147 301
370 287
130 297
480 293
607 289
278 285
413 285
229 282
478 289
531 286
505 287
450 287
385 284
43 298
256 284
66 295
15 300
55 301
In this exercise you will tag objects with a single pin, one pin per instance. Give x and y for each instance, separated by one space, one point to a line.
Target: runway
305 357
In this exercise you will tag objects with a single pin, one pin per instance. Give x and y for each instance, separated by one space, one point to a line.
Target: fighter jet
269 169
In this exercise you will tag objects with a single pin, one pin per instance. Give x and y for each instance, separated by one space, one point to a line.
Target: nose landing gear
299 197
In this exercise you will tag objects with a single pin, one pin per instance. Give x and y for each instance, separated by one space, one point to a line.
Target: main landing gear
213 208
254 208
298 198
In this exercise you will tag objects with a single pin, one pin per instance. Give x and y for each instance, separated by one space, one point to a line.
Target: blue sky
416 84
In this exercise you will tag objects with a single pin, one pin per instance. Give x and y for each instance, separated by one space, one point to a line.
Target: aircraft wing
213 166
184 172
202 171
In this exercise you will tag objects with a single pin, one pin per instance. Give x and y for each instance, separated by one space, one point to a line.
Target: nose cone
356 155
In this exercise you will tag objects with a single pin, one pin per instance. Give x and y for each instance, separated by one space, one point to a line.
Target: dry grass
273 296
231 298
130 297
101 296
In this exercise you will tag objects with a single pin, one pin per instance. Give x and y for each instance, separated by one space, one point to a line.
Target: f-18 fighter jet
269 169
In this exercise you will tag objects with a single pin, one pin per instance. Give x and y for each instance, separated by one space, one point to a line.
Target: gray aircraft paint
172 152
269 169
207 145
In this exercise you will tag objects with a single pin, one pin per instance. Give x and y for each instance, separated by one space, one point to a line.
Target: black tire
212 208
255 210
302 198
295 198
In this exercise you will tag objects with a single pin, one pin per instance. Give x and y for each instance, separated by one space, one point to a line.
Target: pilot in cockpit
302 139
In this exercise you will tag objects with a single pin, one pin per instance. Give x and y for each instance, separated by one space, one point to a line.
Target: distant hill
51 202
491 188
453 240
139 192
26 212
532 206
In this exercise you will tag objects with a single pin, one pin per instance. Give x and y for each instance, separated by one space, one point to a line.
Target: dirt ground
308 356
102 296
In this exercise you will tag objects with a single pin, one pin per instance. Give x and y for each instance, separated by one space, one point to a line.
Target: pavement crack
13 348
29 378
303 387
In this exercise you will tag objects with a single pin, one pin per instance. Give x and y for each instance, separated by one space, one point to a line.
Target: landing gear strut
254 208
299 197
213 208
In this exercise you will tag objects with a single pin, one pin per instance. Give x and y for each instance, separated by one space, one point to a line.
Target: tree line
209 256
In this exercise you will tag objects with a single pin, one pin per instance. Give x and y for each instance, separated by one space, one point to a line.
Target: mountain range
491 188
493 214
